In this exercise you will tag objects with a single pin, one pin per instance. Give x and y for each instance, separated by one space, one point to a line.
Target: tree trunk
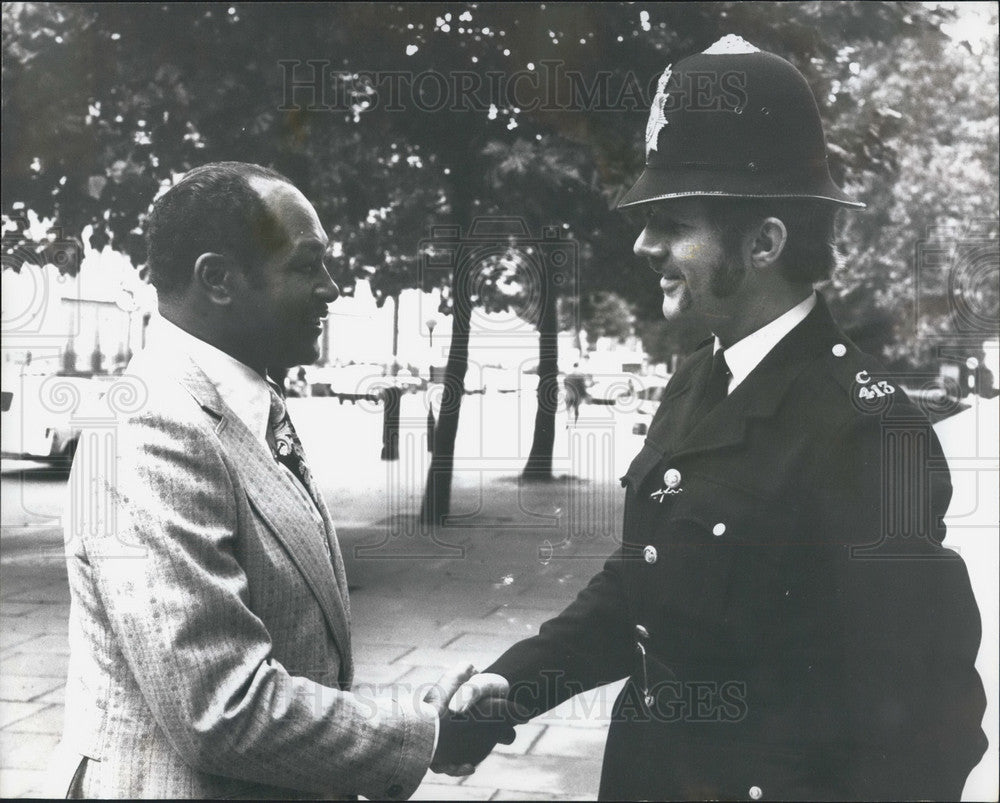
539 465
394 371
437 495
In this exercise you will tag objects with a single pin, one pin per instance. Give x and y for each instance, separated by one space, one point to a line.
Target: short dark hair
212 209
810 253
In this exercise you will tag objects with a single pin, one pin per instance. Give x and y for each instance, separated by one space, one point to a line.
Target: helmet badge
657 118
731 45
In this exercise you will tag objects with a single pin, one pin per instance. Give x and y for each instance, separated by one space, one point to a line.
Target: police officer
788 621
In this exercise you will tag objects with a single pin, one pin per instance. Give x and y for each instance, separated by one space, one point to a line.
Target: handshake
474 716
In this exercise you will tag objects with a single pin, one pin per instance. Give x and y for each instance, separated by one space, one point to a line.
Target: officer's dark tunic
805 634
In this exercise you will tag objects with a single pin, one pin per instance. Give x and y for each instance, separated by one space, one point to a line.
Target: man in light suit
210 623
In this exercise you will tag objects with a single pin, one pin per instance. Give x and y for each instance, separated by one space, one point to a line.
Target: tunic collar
746 354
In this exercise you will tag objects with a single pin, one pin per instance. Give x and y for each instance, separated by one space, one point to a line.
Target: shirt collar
746 354
241 388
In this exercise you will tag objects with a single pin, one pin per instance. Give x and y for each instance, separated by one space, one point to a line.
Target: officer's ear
769 243
215 277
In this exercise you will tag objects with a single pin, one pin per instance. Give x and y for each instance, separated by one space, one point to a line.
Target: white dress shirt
241 388
746 354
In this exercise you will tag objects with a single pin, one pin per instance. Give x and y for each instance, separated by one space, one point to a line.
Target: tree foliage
396 118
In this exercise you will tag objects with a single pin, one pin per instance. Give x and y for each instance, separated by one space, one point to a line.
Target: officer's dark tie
285 444
715 389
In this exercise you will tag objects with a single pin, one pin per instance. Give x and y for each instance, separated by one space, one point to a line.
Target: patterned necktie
285 444
716 388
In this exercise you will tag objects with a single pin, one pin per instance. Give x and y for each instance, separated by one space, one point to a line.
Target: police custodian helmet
736 122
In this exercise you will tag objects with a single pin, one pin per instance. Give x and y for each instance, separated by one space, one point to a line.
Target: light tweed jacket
209 625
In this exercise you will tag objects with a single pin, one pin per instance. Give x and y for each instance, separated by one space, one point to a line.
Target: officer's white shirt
746 354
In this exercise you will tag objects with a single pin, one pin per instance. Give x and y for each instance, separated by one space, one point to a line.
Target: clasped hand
475 715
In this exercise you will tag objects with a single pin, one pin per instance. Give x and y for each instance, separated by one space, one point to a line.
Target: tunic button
719 529
671 478
649 554
756 793
838 350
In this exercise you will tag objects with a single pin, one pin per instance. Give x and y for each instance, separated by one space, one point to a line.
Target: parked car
38 414
360 381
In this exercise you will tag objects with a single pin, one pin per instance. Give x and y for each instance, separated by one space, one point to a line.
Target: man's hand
473 720
477 687
444 690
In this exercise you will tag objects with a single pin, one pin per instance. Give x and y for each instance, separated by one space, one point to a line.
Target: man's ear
769 243
214 275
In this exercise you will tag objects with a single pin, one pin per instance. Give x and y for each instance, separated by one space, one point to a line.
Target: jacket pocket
723 554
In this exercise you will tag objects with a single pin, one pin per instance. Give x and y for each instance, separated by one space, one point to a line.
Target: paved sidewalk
419 605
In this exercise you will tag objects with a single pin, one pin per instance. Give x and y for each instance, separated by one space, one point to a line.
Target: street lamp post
431 323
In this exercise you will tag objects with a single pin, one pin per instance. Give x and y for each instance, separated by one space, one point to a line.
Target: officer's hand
488 690
466 738
444 690
478 687
439 696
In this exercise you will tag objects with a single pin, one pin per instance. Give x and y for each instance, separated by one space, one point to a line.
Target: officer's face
282 301
698 272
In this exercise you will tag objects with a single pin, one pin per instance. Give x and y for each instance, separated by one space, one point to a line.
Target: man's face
698 272
281 302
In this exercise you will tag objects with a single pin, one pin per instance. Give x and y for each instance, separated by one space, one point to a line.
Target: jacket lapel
336 559
667 429
270 492
282 509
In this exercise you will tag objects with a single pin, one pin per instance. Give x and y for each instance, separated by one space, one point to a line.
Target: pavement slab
21 783
478 643
49 720
26 751
53 643
376 653
11 712
8 608
11 637
24 688
34 663
568 778
378 674
432 790
511 794
57 696
56 593
572 742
